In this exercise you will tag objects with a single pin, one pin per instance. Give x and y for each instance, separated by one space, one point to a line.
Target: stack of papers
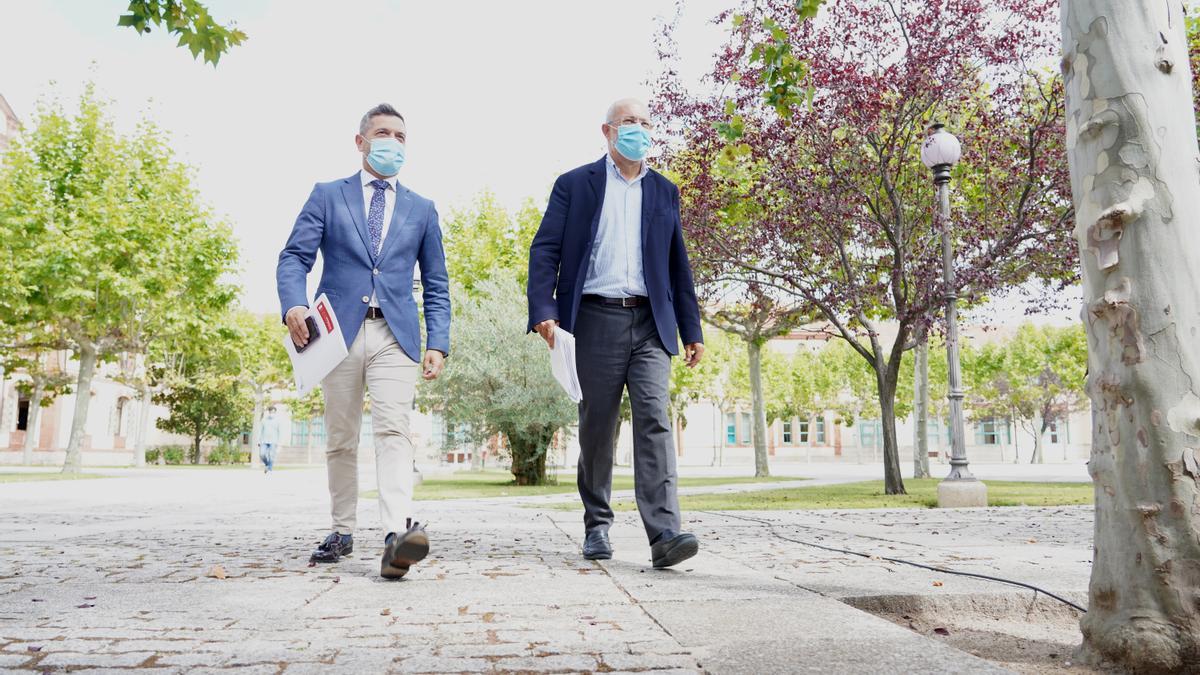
562 364
324 352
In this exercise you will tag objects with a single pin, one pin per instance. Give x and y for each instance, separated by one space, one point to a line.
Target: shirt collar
614 170
366 179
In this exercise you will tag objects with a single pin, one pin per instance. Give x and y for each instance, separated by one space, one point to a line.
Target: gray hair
612 109
381 109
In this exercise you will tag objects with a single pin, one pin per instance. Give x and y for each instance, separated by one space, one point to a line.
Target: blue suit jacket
561 251
333 221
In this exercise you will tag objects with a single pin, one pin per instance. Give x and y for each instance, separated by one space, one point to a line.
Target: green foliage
170 454
108 246
190 20
485 239
307 407
499 381
1037 376
227 454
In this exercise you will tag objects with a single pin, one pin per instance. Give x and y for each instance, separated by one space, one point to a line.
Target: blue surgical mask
386 156
633 142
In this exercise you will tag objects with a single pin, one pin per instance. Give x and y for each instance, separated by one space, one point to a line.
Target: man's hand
295 324
431 365
693 353
546 330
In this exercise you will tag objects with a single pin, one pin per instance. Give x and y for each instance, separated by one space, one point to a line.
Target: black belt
374 313
617 302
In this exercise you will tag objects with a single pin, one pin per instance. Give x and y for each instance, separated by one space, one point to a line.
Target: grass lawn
479 484
869 495
24 477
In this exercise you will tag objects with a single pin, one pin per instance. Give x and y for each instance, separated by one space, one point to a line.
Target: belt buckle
629 302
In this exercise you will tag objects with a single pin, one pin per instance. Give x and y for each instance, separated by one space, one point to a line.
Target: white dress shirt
615 267
389 206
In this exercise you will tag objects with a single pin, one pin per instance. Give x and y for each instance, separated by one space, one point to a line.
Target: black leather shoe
672 549
596 546
333 548
400 552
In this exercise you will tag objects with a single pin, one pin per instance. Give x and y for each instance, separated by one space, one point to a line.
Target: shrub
227 454
174 454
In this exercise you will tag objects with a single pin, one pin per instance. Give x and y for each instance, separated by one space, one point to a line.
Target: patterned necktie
375 215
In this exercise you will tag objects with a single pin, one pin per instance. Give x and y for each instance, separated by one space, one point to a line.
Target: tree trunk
143 426
528 452
256 429
196 448
758 409
921 412
1131 141
83 398
893 482
1038 436
31 423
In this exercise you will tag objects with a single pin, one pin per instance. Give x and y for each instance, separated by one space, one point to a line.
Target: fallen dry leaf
1031 541
941 631
385 612
216 572
937 583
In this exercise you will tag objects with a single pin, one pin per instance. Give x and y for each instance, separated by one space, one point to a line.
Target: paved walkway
127 573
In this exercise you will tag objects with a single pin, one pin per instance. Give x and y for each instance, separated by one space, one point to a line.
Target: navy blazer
333 221
561 251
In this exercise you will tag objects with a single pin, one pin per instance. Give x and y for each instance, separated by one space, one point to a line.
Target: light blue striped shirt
615 267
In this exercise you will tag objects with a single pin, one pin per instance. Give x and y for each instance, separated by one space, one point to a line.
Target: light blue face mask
386 156
633 142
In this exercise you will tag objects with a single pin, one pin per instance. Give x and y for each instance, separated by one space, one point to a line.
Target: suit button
375 271
366 299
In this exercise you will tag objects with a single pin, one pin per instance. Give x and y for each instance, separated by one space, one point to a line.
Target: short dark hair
381 109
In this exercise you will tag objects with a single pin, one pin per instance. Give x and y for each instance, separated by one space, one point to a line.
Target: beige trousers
377 364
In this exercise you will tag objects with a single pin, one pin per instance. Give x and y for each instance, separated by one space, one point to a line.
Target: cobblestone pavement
206 571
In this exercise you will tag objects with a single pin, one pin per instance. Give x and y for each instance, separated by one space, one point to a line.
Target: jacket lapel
597 179
404 204
648 196
352 192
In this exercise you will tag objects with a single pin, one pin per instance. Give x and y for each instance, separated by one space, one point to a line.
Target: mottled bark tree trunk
83 399
31 422
893 483
921 411
1131 138
758 409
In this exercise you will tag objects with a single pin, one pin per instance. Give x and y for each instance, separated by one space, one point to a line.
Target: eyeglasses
630 119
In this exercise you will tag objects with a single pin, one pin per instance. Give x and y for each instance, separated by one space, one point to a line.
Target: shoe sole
408 552
678 554
598 556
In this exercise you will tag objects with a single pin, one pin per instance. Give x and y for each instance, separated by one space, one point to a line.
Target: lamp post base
961 494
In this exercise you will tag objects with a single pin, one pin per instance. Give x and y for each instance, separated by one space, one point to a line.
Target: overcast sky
497 95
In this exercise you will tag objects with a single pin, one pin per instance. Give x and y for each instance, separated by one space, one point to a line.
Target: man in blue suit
608 264
371 232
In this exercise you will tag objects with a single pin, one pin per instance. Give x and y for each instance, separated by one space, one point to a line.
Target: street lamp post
940 151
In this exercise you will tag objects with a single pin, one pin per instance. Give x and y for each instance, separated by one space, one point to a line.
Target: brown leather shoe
400 552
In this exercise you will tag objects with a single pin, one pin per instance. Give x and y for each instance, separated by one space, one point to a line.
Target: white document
322 353
562 364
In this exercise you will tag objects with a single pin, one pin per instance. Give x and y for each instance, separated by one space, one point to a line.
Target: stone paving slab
117 574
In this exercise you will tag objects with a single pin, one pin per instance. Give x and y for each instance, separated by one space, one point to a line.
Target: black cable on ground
869 556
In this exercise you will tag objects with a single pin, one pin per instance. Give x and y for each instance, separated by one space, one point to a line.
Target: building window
745 428
1059 432
316 429
868 432
804 431
730 429
300 433
22 414
787 432
992 431
820 431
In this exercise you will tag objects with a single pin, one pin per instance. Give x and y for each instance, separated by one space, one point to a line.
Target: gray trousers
615 348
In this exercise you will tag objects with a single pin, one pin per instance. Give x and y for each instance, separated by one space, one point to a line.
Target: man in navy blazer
608 263
372 231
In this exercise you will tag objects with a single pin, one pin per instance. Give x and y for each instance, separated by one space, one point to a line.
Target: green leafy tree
691 385
115 249
499 381
1037 377
203 389
485 238
190 20
262 361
